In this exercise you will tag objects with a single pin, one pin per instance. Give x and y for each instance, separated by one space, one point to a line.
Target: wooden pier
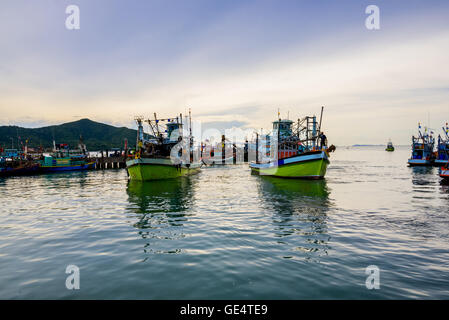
109 163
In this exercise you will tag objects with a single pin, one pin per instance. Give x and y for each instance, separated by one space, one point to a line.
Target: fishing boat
442 156
444 172
64 159
167 153
18 168
17 163
422 149
390 146
293 150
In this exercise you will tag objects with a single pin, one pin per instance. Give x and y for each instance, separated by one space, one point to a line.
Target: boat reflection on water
423 176
419 171
424 184
171 197
300 215
161 208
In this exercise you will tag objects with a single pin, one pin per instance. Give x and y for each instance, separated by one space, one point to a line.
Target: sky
234 63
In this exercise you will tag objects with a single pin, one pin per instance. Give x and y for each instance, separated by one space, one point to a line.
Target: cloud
234 68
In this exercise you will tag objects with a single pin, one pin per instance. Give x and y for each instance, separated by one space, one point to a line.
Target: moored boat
442 156
167 154
17 163
308 165
422 149
64 159
296 150
444 172
18 168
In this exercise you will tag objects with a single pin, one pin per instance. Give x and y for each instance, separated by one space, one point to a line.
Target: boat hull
146 169
306 166
86 166
441 162
19 171
444 174
419 162
389 149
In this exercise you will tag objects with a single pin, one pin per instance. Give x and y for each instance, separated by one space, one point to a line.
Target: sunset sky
234 63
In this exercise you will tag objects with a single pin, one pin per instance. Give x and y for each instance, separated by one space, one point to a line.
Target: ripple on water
225 233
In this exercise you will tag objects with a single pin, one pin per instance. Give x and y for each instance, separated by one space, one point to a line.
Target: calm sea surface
225 233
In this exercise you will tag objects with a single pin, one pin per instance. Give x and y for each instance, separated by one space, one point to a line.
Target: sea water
227 234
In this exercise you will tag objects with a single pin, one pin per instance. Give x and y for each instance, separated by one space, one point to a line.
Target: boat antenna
190 122
321 118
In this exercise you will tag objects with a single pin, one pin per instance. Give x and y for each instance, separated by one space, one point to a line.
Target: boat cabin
284 127
174 131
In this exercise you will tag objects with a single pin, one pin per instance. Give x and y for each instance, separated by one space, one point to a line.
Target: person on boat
323 140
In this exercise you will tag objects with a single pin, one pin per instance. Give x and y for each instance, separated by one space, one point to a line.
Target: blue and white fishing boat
422 149
443 147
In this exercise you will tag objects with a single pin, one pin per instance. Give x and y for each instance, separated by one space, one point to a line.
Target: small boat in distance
168 153
218 154
389 146
443 147
300 152
422 149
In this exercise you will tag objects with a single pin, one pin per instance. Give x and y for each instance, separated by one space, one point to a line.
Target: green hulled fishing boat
389 147
167 153
293 150
145 169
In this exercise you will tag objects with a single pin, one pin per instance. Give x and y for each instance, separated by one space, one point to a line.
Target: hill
96 135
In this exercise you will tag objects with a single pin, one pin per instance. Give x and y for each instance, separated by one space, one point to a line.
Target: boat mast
157 127
139 131
179 129
190 138
321 118
257 147
279 134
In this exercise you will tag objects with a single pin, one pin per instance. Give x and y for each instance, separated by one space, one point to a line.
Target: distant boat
443 147
153 159
64 159
299 153
422 149
390 146
221 154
